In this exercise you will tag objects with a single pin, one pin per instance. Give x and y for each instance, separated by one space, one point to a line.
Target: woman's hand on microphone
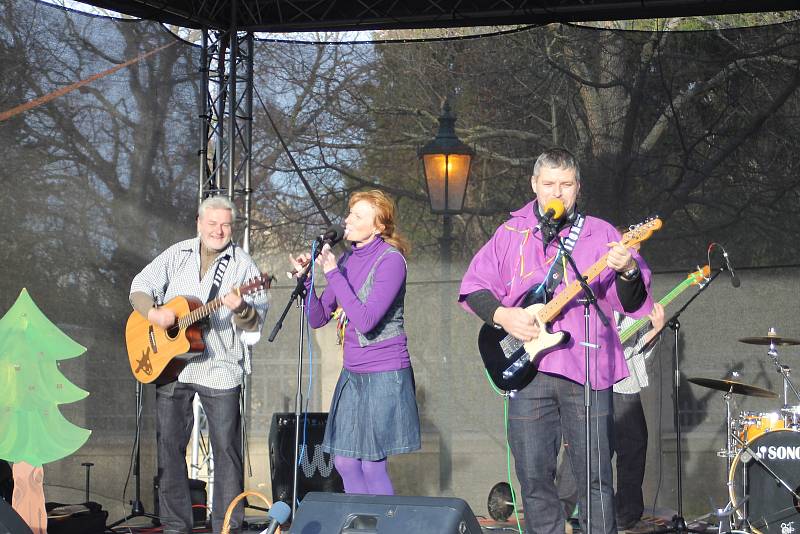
299 263
327 259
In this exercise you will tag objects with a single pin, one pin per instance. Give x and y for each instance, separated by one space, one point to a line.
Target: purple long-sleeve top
513 261
343 286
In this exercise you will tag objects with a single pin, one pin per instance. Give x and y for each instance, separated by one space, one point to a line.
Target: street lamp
446 161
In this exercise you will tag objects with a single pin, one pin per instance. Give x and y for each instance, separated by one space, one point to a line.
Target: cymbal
734 387
770 340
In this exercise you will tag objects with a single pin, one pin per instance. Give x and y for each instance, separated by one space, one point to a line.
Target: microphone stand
298 299
589 300
678 522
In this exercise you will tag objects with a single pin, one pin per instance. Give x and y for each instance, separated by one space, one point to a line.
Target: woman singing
373 413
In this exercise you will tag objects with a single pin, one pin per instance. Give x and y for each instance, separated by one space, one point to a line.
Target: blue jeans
539 414
174 428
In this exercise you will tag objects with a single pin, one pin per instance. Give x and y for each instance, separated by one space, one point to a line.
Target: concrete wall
463 451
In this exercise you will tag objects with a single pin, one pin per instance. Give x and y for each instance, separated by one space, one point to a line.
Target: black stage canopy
353 15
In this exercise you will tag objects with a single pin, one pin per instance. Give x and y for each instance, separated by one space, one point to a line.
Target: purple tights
364 476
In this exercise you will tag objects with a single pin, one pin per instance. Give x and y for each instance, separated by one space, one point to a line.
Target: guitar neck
201 313
554 307
626 334
636 235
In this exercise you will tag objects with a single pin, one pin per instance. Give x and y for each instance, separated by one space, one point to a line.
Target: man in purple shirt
519 257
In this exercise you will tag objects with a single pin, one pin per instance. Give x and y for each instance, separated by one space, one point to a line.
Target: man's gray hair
217 203
557 158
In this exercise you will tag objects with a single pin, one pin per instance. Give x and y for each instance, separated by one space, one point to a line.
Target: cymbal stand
729 434
724 515
782 370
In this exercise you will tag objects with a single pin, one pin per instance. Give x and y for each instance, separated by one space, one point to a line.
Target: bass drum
770 508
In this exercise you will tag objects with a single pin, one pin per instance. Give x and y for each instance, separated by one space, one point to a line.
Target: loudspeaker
316 471
10 522
331 513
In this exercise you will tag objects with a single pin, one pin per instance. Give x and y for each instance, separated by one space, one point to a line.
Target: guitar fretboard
205 310
199 313
669 297
554 307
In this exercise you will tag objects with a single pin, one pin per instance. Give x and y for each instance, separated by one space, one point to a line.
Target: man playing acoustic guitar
521 262
200 268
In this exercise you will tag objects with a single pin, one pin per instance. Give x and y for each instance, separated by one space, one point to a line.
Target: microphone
735 282
332 235
277 516
553 211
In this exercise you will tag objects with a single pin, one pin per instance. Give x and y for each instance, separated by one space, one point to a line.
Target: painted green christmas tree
32 428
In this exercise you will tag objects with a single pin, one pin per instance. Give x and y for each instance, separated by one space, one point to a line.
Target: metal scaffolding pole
226 135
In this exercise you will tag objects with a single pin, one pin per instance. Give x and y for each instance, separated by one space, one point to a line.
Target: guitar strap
554 276
221 266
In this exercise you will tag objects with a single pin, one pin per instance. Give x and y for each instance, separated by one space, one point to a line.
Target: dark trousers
175 420
539 415
630 446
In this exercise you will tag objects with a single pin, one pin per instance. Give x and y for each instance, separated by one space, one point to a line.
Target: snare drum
750 425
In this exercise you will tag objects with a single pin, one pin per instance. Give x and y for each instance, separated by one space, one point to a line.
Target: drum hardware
723 515
791 414
749 425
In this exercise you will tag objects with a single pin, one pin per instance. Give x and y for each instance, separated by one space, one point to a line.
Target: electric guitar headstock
641 232
700 275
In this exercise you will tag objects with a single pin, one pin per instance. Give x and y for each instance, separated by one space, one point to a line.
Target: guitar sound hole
173 332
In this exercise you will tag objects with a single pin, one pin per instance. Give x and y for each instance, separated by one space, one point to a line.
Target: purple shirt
512 262
343 285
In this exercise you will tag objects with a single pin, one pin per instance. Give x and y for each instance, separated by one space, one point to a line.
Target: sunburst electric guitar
511 364
158 355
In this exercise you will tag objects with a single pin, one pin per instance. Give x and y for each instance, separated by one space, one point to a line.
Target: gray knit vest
392 323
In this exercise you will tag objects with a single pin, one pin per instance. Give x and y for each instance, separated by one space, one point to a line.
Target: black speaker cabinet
332 513
10 522
316 471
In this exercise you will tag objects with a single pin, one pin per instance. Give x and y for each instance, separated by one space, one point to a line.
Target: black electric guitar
511 364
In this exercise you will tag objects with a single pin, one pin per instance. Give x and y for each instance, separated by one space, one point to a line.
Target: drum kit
762 452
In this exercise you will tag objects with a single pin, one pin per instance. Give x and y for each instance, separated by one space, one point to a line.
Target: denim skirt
373 415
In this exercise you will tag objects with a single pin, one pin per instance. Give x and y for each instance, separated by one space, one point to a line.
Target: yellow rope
226 529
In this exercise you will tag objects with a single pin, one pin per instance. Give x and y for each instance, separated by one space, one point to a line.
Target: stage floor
258 523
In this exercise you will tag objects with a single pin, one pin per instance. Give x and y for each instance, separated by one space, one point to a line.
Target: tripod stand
137 508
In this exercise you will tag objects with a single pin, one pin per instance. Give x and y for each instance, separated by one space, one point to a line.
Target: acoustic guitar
158 355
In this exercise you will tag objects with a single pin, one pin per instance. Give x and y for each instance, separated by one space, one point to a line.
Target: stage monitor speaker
10 521
316 472
332 513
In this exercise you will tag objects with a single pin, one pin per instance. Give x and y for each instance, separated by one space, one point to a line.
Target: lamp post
446 161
